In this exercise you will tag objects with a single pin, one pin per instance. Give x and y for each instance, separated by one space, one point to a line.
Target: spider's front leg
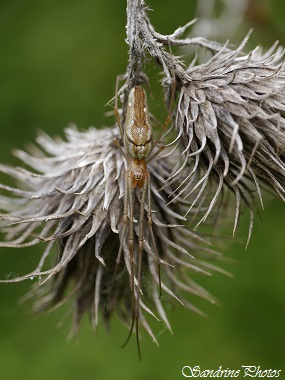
125 221
149 220
129 201
135 291
140 252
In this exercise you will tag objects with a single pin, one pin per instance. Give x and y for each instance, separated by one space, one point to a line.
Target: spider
138 150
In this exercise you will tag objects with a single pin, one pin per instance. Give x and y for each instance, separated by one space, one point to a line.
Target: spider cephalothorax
137 172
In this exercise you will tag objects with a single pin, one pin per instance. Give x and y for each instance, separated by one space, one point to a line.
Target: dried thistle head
72 206
229 118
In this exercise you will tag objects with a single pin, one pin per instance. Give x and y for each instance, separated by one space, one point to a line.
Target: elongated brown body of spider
139 145
138 136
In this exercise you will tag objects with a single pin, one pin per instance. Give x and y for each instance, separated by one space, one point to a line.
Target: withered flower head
229 118
72 206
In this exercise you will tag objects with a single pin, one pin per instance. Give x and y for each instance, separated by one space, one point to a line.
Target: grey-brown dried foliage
228 138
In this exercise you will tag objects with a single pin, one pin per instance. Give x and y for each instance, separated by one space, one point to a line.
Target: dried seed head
230 122
229 119
73 205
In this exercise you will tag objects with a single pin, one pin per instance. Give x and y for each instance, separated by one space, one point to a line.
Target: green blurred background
58 64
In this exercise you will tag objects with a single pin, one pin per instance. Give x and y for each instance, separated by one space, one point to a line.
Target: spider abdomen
138 136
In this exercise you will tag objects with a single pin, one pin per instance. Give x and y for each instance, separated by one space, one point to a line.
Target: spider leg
131 245
121 149
168 118
161 148
149 219
125 219
136 306
116 107
140 252
131 251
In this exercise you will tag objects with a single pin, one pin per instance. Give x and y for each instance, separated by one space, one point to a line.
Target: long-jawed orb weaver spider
138 150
